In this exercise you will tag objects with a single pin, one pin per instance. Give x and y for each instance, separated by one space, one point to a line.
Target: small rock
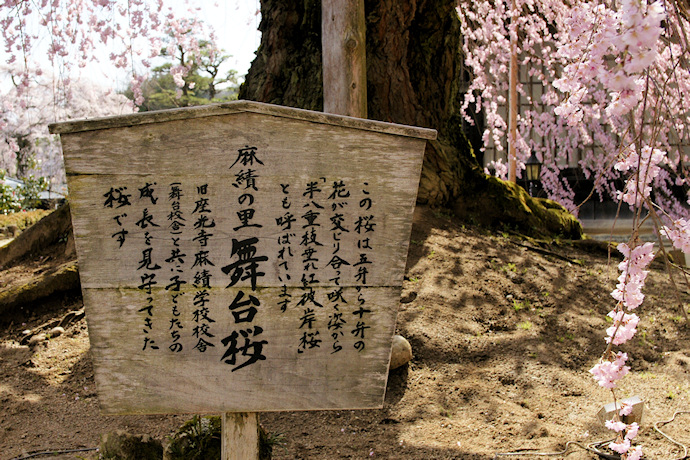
56 332
26 332
37 340
122 445
401 352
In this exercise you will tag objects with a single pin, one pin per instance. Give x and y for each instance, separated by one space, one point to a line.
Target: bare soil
502 335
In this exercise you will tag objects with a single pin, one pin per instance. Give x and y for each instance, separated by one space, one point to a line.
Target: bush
23 198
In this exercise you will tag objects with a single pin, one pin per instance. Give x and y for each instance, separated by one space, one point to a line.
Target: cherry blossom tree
615 79
26 147
47 43
590 105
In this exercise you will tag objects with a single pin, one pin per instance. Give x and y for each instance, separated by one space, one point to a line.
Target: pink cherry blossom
594 70
620 447
631 280
626 409
615 425
679 234
606 372
624 327
635 453
631 431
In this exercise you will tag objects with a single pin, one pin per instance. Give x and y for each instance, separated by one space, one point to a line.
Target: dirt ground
502 335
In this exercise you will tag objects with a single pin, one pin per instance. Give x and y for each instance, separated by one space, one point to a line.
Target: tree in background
73 34
27 150
415 76
192 74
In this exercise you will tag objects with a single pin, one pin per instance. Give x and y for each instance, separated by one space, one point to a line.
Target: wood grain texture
141 195
226 108
343 45
240 437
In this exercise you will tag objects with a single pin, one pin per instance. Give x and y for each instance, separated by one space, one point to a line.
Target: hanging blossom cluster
608 49
679 234
613 71
642 170
73 30
589 65
612 367
611 98
629 295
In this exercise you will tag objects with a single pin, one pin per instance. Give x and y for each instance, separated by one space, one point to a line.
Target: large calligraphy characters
245 343
216 260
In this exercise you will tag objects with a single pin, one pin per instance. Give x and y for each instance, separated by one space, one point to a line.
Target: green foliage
446 214
24 198
30 191
199 439
509 267
23 219
517 306
201 84
9 198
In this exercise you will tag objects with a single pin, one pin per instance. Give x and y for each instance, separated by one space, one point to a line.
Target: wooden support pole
240 436
512 98
343 45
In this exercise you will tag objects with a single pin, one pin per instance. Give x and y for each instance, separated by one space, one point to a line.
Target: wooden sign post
241 257
343 51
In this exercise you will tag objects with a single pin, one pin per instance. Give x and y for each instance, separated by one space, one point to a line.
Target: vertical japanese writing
147 265
364 227
309 245
285 256
338 200
117 198
203 225
326 230
175 261
244 344
359 332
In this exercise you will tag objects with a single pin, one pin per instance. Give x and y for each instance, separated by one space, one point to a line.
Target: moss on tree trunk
414 77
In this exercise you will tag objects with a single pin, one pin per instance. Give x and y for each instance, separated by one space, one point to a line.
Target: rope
656 427
53 452
590 448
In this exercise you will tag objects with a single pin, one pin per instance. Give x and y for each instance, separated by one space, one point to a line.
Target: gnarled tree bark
414 77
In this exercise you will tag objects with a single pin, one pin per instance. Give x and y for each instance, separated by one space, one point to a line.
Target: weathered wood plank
240 437
106 263
227 108
285 140
241 262
344 57
132 380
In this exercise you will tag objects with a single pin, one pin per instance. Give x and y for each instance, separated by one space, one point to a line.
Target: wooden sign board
241 257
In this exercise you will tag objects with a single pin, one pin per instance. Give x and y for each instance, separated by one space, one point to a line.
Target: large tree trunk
414 77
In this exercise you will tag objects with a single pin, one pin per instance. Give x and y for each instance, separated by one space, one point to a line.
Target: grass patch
23 219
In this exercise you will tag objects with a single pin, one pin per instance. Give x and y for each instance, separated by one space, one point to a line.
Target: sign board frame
300 219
